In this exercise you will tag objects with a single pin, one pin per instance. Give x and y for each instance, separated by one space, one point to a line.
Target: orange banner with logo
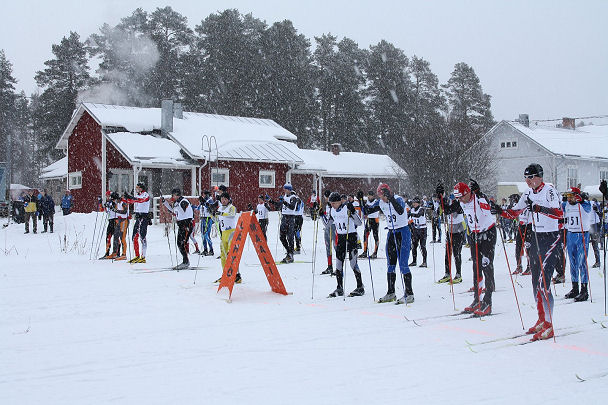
248 225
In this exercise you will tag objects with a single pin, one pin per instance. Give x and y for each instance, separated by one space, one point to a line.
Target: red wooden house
113 147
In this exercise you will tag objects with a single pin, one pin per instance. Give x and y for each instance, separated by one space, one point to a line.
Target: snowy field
80 331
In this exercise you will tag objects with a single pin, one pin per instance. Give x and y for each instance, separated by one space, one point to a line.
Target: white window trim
576 180
603 169
267 173
226 172
75 175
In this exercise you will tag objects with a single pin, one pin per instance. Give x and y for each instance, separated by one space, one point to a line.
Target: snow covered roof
148 150
346 164
587 141
189 130
59 169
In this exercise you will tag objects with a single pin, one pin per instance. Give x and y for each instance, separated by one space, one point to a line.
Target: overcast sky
545 58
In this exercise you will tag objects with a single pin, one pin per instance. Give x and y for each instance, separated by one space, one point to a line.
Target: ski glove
351 208
386 192
495 208
474 187
604 189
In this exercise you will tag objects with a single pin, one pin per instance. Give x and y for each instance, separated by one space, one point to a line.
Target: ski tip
471 349
579 378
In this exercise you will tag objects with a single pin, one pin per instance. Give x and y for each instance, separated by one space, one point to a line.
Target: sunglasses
529 176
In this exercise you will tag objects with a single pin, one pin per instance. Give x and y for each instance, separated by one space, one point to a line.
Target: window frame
569 182
267 173
77 176
220 171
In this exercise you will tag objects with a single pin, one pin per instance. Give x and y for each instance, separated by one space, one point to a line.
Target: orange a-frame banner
248 225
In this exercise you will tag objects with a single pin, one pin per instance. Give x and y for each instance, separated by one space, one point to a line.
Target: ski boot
104 257
538 326
287 259
204 253
559 279
518 270
545 333
338 292
413 263
122 257
182 266
142 260
423 264
574 292
527 272
360 290
374 255
329 270
473 307
445 279
238 279
296 251
408 297
596 265
457 279
363 255
485 308
134 260
583 295
390 294
211 252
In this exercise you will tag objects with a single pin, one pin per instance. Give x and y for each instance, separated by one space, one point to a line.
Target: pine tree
7 103
469 118
64 76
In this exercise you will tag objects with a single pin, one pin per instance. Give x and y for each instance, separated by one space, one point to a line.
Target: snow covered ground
80 331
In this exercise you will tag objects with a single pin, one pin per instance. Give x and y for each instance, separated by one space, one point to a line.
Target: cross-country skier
329 233
454 239
226 217
261 213
120 228
142 220
481 220
298 222
522 236
398 241
417 216
184 214
436 220
543 202
288 205
372 222
313 205
206 215
345 219
577 211
594 230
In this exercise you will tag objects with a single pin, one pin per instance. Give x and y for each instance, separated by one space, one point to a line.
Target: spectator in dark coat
66 203
47 208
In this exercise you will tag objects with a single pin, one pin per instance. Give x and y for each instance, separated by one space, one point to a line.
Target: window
220 176
572 178
508 144
75 180
120 180
514 144
603 174
267 179
502 145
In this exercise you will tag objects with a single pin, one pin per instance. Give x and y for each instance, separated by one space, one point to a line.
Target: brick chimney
524 119
166 116
568 123
336 148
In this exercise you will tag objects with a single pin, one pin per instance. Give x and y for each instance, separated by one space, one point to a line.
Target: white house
568 155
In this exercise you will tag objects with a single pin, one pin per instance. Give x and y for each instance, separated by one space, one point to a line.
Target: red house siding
244 186
84 155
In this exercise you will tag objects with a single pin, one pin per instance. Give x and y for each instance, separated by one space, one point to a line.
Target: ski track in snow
80 331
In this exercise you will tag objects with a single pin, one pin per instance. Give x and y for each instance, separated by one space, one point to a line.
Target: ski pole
542 273
314 256
346 255
94 234
203 232
580 219
276 248
449 248
475 234
369 261
511 276
101 233
603 223
390 211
